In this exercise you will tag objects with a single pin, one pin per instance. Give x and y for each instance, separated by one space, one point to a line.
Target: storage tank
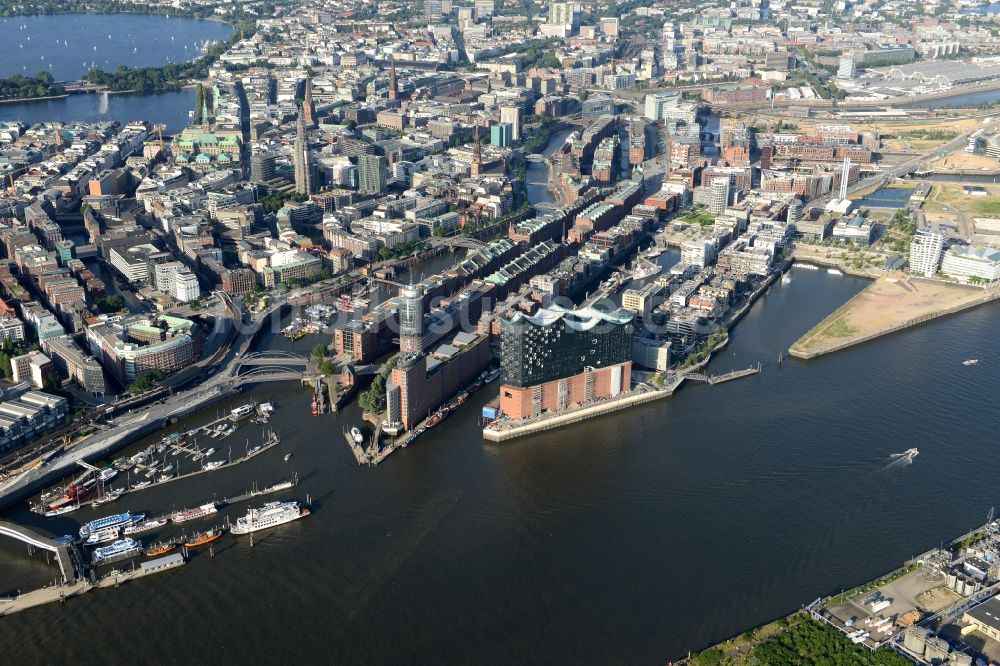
960 586
913 640
961 659
952 578
936 650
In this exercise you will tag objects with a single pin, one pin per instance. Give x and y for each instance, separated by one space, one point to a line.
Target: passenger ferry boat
241 412
191 514
104 523
145 526
119 549
271 514
106 535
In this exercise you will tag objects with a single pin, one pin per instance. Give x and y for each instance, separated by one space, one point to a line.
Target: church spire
477 155
393 83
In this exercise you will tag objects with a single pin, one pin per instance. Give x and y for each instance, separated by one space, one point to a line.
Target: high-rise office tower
512 115
411 316
720 196
433 12
371 174
565 13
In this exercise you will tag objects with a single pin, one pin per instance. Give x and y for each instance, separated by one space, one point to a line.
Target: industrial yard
939 608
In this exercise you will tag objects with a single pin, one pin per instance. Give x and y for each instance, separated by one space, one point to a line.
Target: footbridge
62 551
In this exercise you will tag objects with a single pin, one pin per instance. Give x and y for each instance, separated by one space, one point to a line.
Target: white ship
117 550
356 434
103 536
145 526
191 514
271 514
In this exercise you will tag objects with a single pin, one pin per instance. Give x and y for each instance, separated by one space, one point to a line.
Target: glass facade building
556 343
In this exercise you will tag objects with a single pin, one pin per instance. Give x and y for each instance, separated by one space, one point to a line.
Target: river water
627 539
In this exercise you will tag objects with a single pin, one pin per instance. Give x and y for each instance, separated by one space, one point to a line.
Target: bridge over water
63 552
270 366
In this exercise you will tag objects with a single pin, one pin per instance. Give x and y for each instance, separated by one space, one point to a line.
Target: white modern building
966 263
132 262
512 116
719 196
657 104
177 280
925 253
698 252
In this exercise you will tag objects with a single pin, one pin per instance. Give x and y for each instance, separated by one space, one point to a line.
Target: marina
156 470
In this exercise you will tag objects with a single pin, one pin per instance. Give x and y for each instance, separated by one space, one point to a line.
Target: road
219 380
909 166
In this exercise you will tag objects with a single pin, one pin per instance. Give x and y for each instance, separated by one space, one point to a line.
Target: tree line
39 85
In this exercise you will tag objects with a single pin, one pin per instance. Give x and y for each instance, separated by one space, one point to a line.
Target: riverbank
917 598
890 304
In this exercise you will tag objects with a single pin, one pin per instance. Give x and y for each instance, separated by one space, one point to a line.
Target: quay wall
577 416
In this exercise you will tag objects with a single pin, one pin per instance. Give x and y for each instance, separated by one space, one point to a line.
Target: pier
272 440
718 379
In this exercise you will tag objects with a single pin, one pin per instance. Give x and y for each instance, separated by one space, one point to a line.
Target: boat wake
903 459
